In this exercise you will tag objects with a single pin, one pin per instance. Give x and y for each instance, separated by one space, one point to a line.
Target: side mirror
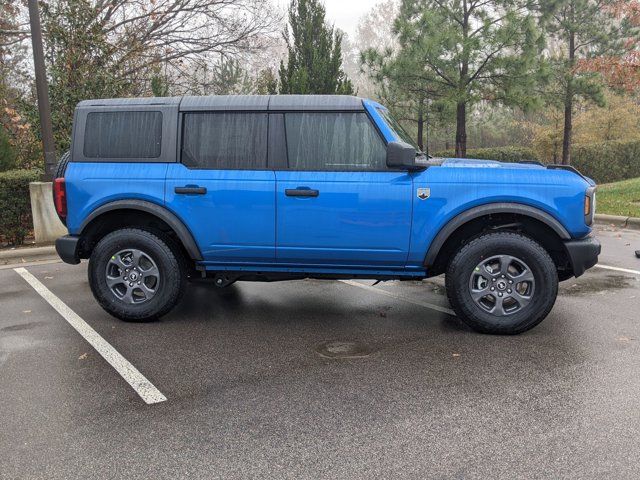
401 156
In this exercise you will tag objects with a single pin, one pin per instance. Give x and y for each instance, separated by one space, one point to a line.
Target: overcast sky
344 14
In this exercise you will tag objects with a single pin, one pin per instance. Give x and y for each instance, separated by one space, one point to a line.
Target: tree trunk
568 100
568 125
421 131
461 130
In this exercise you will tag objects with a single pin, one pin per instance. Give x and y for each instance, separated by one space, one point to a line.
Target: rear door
337 203
222 189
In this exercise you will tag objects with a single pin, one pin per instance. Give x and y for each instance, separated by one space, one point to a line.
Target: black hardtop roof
239 102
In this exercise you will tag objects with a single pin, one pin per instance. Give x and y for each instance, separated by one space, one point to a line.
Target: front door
222 189
337 203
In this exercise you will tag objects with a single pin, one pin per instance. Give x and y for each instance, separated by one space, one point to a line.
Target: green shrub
608 162
503 154
7 152
15 205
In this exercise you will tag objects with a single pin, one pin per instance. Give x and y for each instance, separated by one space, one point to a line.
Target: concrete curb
27 254
618 221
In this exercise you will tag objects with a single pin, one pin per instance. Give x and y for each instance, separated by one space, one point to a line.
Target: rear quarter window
123 135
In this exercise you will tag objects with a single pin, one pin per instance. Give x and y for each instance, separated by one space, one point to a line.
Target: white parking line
143 387
420 303
618 269
35 263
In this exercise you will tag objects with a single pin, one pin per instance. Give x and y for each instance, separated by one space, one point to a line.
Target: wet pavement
323 379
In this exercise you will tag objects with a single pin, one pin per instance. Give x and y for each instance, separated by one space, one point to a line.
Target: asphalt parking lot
323 379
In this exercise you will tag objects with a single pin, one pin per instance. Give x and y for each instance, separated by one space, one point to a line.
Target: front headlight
589 205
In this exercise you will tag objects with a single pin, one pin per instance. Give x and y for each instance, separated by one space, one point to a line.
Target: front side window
229 141
333 141
396 127
123 135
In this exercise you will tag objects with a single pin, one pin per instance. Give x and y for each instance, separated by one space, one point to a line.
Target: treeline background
460 75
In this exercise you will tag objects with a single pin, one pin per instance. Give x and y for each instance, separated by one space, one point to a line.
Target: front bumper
67 249
583 254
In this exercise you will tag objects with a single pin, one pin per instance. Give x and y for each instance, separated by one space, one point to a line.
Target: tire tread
171 295
459 303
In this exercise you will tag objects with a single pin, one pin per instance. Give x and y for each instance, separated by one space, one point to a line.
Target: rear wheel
502 283
136 275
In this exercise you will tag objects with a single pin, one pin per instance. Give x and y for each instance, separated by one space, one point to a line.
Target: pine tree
584 30
314 63
463 51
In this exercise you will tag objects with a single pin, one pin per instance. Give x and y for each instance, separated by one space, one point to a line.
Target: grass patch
619 198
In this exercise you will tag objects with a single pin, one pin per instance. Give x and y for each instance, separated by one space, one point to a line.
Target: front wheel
502 283
136 275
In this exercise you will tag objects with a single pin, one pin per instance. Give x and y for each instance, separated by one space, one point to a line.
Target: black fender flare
488 209
156 210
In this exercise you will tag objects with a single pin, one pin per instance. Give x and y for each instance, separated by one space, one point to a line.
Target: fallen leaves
623 339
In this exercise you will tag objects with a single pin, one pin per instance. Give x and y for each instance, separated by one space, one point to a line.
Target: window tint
123 135
396 127
234 141
333 141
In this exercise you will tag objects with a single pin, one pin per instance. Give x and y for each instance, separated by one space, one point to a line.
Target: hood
478 163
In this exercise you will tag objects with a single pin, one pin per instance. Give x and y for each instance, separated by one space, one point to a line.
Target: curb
24 255
632 223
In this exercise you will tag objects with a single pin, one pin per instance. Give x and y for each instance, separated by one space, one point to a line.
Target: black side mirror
401 156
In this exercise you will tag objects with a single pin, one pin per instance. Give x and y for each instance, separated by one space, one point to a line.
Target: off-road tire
165 254
463 264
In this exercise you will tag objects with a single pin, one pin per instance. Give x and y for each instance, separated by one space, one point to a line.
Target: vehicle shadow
270 303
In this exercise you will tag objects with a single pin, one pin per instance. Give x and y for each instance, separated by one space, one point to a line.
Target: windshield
396 127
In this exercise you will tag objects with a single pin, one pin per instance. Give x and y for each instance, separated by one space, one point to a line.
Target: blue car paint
358 218
456 188
361 221
234 222
90 185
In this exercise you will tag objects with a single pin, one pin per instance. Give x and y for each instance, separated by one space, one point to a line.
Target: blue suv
156 191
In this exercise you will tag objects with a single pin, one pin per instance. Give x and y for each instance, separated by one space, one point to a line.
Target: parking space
320 379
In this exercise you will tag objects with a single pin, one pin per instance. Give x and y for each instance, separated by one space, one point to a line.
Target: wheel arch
538 224
95 224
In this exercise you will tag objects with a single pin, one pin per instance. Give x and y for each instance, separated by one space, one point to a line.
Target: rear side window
228 141
333 141
123 135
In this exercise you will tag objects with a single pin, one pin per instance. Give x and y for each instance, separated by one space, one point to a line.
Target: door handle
191 190
301 192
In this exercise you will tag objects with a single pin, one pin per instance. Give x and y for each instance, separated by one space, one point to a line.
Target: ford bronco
157 191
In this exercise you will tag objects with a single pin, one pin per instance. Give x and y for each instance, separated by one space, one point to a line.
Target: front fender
488 209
